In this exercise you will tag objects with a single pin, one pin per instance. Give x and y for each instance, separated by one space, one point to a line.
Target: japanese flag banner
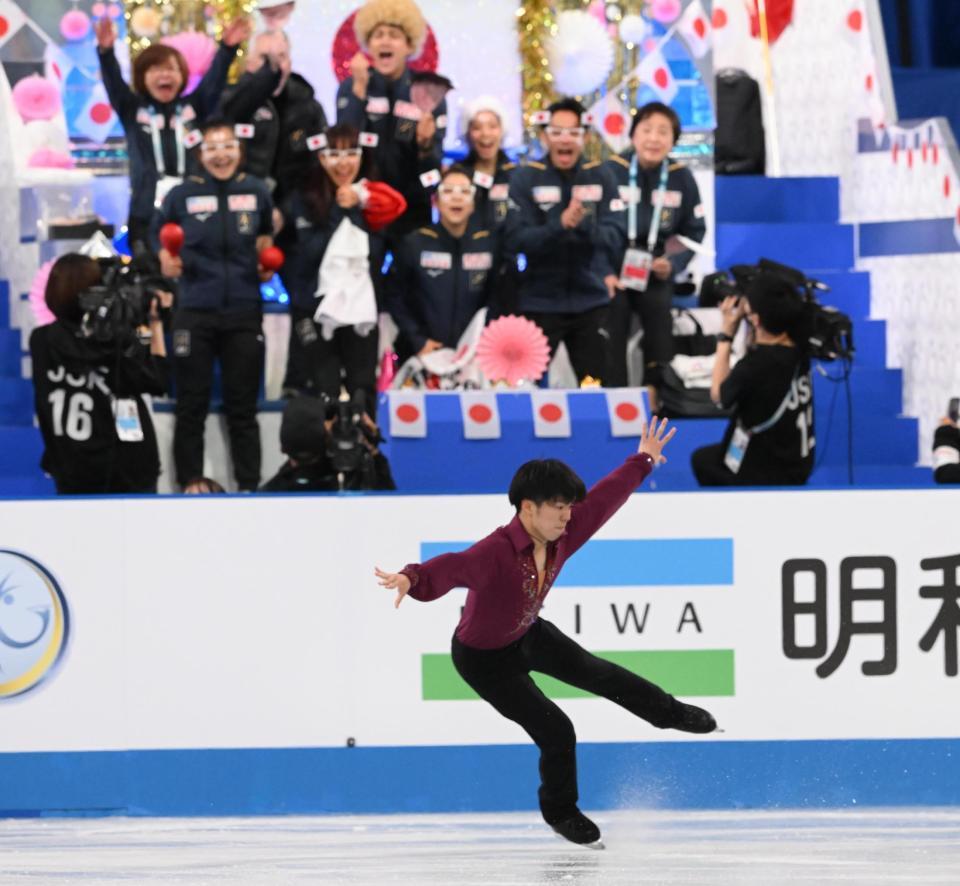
481 416
408 413
97 118
12 20
694 27
611 118
628 414
551 414
655 73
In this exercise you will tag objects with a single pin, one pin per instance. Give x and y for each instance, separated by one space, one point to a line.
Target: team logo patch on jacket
201 205
546 194
441 261
242 202
500 192
588 193
478 261
673 199
378 104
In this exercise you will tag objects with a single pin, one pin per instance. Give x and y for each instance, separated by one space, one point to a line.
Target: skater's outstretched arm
426 581
608 495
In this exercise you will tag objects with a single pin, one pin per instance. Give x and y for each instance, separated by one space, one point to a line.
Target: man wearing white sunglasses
567 220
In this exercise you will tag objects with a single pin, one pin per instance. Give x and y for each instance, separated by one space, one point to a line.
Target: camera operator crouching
770 438
90 371
330 446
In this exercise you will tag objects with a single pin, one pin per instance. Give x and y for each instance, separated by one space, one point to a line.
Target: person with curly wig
157 119
376 99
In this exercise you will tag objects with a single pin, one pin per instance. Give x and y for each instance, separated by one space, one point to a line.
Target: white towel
344 287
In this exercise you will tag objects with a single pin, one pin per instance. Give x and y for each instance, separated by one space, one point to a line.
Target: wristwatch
722 336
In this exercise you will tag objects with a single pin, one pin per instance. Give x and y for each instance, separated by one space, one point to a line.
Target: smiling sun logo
34 624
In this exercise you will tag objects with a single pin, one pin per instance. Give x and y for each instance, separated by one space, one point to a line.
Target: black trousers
317 366
585 336
200 339
653 308
502 678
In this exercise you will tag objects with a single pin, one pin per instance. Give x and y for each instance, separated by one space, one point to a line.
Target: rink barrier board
301 781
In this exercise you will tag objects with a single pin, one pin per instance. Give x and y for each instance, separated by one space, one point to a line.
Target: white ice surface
760 848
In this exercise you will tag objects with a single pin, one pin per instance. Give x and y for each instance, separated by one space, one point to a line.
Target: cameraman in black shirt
330 446
770 439
89 372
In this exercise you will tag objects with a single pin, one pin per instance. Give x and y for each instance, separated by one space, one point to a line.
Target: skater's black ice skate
693 719
579 829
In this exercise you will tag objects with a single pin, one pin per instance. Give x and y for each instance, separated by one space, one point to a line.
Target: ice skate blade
597 844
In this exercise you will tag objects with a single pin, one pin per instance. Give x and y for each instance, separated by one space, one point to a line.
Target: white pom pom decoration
580 54
633 28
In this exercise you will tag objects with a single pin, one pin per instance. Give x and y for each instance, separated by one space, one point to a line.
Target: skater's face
389 48
548 521
653 139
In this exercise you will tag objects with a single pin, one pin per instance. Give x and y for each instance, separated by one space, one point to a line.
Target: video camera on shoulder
349 440
114 310
828 333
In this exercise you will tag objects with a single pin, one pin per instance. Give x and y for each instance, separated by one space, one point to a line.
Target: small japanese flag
11 20
694 27
244 130
408 414
317 142
539 118
369 139
430 178
628 415
481 417
612 120
192 138
57 64
96 119
655 73
551 414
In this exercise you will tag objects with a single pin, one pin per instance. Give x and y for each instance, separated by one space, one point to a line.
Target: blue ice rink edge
675 775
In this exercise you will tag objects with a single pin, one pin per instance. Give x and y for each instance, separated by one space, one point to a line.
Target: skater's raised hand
653 438
394 581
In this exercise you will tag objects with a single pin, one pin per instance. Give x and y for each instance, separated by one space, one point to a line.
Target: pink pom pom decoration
513 349
36 98
41 313
75 25
198 50
666 11
48 158
99 9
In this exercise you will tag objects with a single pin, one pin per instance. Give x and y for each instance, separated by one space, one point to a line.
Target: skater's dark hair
545 479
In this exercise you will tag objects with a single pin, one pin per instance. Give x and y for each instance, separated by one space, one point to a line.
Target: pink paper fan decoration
513 349
75 25
665 11
198 50
42 314
48 158
36 98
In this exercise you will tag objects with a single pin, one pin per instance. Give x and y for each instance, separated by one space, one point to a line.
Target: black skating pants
502 678
200 339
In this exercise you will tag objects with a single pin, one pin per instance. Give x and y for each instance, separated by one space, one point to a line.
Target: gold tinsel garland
174 16
535 25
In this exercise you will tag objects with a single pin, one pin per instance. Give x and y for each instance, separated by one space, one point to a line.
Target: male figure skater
501 638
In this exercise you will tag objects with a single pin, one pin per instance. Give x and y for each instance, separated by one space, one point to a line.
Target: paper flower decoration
198 50
49 158
513 349
145 21
633 28
665 11
74 25
36 98
580 53
38 288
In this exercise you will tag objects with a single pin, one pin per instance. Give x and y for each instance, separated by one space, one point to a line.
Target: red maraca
271 259
171 238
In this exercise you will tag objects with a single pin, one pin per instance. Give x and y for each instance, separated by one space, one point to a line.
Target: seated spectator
329 446
376 100
770 438
157 119
643 174
97 431
280 106
335 252
226 218
567 219
442 274
946 451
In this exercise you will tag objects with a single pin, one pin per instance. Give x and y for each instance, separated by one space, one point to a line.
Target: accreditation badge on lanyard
637 263
127 418
167 179
737 448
